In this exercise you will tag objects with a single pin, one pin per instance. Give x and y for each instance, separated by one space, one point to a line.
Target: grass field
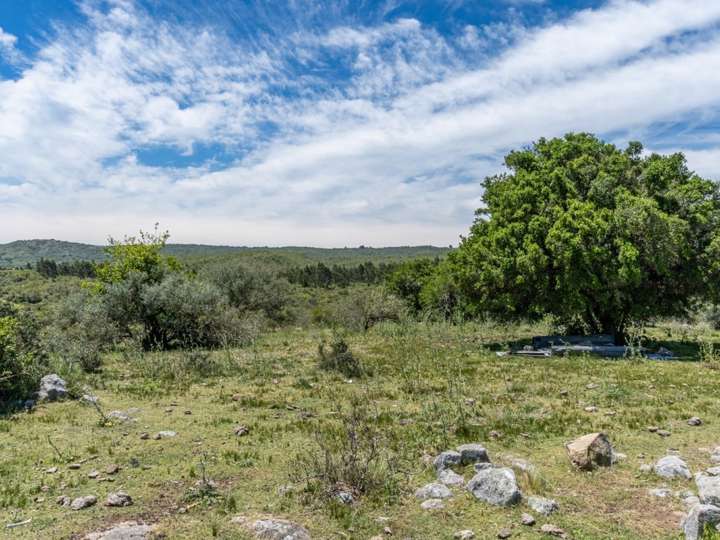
429 388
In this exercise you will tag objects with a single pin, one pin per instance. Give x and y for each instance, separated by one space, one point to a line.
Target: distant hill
22 252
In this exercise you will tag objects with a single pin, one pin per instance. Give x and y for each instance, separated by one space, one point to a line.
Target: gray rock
527 519
672 467
700 517
466 534
89 399
344 497
446 459
504 533
52 388
164 435
552 530
590 451
63 500
129 530
450 478
120 416
694 421
432 504
496 486
713 471
119 498
472 453
433 491
660 492
279 529
663 432
482 466
708 488
83 502
542 505
646 468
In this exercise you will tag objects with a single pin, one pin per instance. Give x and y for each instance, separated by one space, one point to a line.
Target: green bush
339 358
20 367
361 307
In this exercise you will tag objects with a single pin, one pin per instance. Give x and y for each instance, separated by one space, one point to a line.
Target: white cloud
390 154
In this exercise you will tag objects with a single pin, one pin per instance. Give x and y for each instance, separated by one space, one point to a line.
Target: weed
339 358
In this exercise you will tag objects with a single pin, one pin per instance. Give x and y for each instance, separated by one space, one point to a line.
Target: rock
504 533
694 421
653 429
63 500
646 468
74 466
482 466
241 431
591 409
700 517
93 474
672 467
119 498
51 470
552 530
496 486
433 491
274 529
83 502
129 530
713 471
590 451
120 416
542 506
663 432
450 478
446 459
466 534
112 469
432 504
164 435
527 519
344 497
708 488
52 388
144 436
472 453
617 457
660 492
89 399
592 386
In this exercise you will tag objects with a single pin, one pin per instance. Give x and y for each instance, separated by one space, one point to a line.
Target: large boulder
590 451
496 486
52 388
671 467
708 488
700 517
433 491
472 453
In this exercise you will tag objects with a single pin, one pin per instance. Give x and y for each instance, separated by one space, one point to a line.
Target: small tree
593 235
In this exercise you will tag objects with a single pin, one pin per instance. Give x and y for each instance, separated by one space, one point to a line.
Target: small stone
63 500
694 421
93 474
450 478
552 530
432 504
89 399
188 412
504 533
646 468
591 409
564 393
527 519
672 467
144 436
119 498
542 505
653 429
120 416
465 534
590 451
74 466
446 459
164 435
344 497
472 453
51 470
129 530
660 492
592 386
241 431
663 432
433 491
83 502
112 469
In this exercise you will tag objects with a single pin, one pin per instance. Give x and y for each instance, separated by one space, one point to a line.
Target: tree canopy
595 236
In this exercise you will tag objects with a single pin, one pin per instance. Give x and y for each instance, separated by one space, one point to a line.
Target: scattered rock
129 530
89 399
120 416
466 534
433 491
164 435
542 506
663 432
527 519
112 469
93 474
446 459
592 386
52 388
63 500
472 453
653 429
504 533
83 502
591 409
144 436
553 530
698 518
450 478
708 488
344 497
496 486
694 421
672 467
590 451
74 466
51 470
241 431
119 498
660 492
646 468
273 529
432 504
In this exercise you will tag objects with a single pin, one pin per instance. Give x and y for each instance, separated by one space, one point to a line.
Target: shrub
712 316
20 368
362 307
339 358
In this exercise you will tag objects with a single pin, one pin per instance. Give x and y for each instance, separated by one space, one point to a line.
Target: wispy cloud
349 133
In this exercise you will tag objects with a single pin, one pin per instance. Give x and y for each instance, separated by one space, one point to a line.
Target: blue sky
326 123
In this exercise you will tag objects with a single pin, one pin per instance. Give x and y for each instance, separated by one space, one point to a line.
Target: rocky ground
454 443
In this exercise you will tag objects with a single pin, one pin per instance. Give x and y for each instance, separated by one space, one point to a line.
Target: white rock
433 491
672 467
432 504
450 478
542 505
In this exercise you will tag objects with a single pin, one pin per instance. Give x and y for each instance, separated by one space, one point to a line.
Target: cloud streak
375 134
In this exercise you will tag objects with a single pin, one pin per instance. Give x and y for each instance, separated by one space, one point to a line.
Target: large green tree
596 236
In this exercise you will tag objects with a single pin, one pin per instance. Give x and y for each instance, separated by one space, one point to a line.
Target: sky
326 123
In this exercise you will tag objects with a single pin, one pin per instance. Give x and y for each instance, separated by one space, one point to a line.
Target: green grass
432 387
